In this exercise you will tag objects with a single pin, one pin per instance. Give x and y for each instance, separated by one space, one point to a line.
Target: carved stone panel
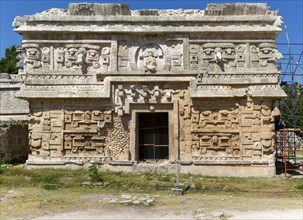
216 146
82 133
231 57
83 57
208 115
150 56
32 56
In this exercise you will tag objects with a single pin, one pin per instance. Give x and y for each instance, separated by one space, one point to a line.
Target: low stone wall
13 120
14 141
11 108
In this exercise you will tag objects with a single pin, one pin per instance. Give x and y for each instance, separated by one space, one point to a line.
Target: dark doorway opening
153 136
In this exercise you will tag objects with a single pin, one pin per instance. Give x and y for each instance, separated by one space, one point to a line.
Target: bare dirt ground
144 213
41 204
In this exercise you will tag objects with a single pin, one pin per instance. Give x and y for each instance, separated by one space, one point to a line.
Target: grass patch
59 190
300 186
138 182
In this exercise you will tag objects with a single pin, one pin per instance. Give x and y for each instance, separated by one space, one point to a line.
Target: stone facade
91 72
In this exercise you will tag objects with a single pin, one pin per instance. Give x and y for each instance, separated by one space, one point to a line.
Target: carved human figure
150 63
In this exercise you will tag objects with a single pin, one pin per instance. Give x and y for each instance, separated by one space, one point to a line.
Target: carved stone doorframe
173 126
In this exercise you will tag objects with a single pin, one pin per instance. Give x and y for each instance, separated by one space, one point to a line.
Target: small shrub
94 174
2 166
22 123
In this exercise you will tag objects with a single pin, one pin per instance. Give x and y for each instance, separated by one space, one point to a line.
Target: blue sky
291 10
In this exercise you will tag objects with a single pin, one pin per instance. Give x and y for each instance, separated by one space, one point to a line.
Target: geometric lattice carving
82 132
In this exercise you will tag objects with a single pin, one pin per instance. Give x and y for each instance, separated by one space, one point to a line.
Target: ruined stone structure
143 90
13 120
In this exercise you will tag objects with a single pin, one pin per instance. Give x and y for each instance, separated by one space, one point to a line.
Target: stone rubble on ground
127 199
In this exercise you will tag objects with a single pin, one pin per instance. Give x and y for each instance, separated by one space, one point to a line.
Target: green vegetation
29 193
295 91
2 166
8 63
138 182
22 123
94 174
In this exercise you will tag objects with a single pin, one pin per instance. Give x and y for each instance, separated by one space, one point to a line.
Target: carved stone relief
84 57
82 132
247 128
45 57
264 56
215 77
126 94
123 56
214 114
59 57
45 131
194 52
89 57
32 56
176 56
268 55
225 57
77 132
212 146
215 130
218 119
35 129
240 57
218 55
150 57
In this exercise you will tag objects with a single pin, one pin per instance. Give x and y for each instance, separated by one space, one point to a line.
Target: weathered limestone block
88 9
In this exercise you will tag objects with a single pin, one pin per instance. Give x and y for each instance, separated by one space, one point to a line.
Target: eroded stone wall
13 141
